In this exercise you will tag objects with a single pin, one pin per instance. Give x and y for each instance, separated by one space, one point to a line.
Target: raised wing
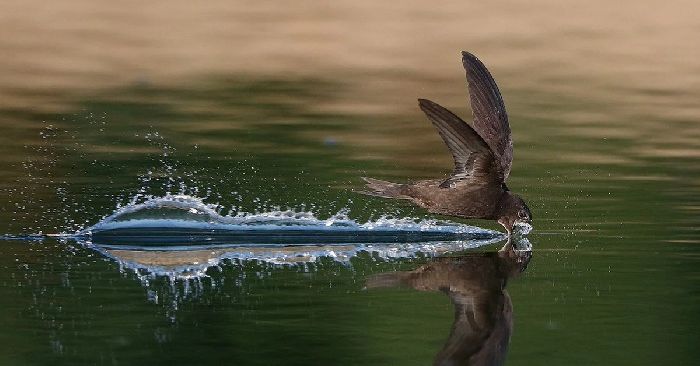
474 160
490 118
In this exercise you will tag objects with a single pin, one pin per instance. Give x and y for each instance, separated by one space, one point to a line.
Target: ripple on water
174 219
181 237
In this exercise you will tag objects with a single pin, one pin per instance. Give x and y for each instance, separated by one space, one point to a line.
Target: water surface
256 109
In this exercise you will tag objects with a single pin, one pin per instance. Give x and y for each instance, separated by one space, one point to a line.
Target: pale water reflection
193 265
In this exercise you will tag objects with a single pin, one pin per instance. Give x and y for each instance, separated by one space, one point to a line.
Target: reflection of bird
475 283
483 156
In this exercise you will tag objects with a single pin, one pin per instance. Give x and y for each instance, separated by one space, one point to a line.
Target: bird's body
482 155
465 201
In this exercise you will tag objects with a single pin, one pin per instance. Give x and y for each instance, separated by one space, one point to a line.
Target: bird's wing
490 118
474 160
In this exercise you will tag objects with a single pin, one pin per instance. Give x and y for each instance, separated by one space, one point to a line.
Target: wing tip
469 59
426 104
467 54
434 111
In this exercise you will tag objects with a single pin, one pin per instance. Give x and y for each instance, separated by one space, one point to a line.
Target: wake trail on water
182 237
180 219
176 219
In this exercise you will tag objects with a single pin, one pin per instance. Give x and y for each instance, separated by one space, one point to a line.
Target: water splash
181 241
194 262
522 228
179 220
173 276
181 237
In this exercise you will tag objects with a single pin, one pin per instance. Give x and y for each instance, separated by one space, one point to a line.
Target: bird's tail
381 188
388 279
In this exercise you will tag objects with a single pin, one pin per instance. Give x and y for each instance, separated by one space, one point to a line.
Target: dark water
269 109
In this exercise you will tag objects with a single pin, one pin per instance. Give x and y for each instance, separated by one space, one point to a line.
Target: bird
482 153
476 285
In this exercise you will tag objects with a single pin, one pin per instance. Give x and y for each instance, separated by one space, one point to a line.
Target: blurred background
256 105
585 84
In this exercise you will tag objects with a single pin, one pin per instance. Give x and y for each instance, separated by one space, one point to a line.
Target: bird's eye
522 214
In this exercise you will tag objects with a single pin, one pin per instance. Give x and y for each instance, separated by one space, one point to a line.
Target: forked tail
383 188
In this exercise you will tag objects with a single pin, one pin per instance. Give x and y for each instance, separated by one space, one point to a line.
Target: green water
607 161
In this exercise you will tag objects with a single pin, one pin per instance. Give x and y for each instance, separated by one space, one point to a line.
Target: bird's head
512 210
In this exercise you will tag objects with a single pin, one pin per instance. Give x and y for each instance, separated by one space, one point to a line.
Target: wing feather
489 112
473 159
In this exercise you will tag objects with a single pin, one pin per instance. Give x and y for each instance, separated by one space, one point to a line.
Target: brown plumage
475 283
483 155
